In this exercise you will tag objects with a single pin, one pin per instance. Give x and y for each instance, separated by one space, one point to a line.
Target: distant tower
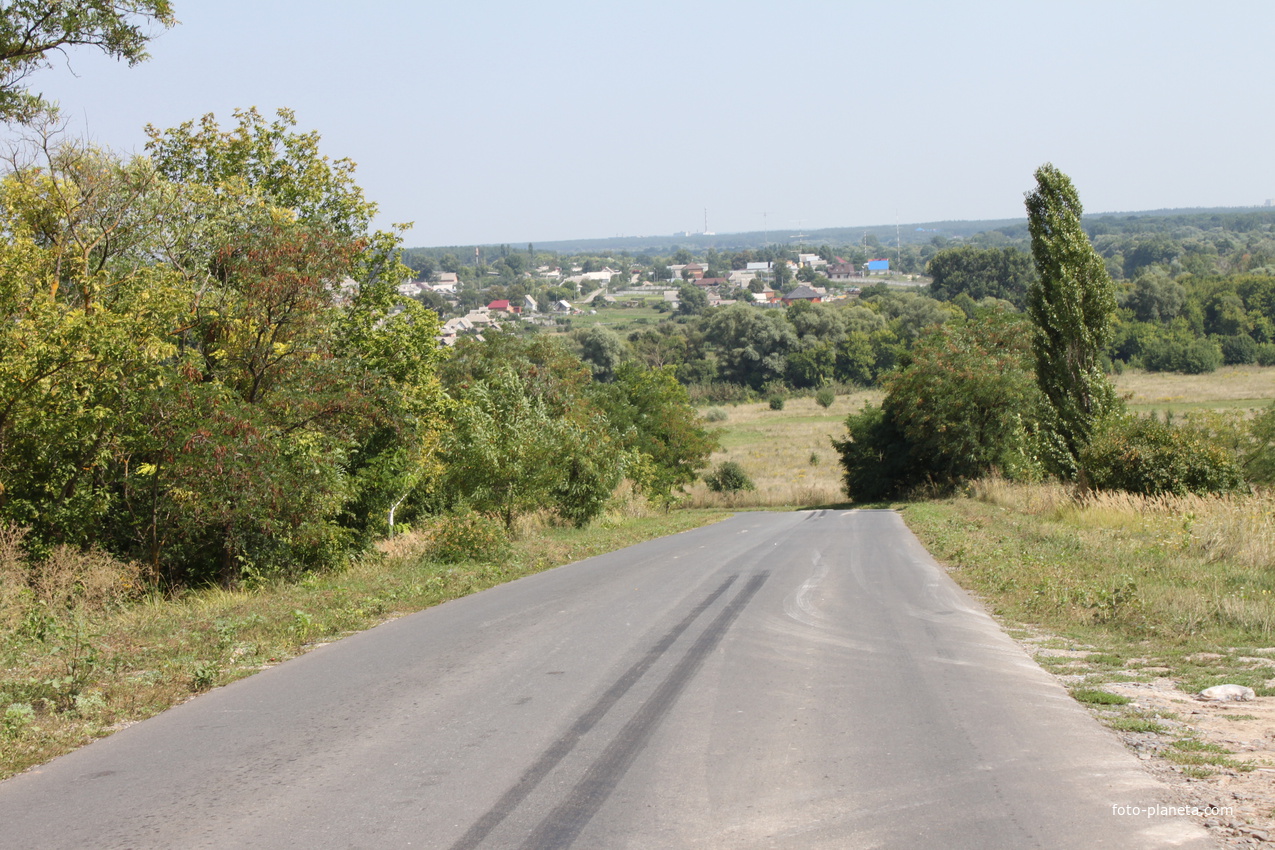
898 242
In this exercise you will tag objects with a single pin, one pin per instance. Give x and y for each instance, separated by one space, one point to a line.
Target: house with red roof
503 306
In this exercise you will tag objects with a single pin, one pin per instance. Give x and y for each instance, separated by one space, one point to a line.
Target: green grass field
618 319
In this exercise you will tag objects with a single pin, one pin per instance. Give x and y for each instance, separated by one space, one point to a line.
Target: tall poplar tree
1072 304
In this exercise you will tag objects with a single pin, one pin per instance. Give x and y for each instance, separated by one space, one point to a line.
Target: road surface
778 680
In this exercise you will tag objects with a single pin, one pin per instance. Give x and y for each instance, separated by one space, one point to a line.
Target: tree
783 275
1156 297
603 349
652 418
981 272
691 300
275 163
31 29
960 407
183 378
1071 304
751 344
507 453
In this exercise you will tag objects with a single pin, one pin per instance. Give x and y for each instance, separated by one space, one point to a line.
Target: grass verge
77 668
1122 591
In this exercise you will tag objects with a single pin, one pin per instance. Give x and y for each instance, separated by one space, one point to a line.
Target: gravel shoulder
1235 801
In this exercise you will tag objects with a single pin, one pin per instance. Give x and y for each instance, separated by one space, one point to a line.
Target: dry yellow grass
1229 384
776 448
1188 564
1239 529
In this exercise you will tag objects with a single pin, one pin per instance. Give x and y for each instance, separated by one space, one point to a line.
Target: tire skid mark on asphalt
560 748
562 826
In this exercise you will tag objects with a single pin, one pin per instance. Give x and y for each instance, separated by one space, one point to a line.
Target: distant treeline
1011 231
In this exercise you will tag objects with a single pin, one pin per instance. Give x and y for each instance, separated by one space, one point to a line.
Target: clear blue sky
496 121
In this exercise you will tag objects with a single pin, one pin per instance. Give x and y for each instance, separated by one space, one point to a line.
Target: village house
840 270
804 293
503 306
446 282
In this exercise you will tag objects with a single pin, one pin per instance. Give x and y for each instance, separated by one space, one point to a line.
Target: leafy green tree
32 29
604 350
1224 315
855 361
875 457
275 163
1156 297
1072 305
1004 273
213 401
691 300
783 276
960 407
507 453
1179 351
651 416
752 345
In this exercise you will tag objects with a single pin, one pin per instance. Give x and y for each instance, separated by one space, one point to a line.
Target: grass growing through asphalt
88 664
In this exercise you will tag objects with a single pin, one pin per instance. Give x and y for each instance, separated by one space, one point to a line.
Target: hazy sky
498 121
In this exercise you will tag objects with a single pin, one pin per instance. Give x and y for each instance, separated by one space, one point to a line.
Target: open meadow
1229 388
789 456
787 453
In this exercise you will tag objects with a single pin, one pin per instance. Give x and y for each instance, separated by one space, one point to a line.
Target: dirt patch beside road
1218 757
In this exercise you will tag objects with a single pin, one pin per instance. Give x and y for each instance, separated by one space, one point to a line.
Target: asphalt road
779 680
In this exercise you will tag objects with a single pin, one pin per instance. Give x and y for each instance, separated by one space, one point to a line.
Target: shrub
960 408
876 457
1189 356
1238 350
825 397
1147 456
776 402
715 414
729 477
1265 354
712 392
468 537
1258 456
